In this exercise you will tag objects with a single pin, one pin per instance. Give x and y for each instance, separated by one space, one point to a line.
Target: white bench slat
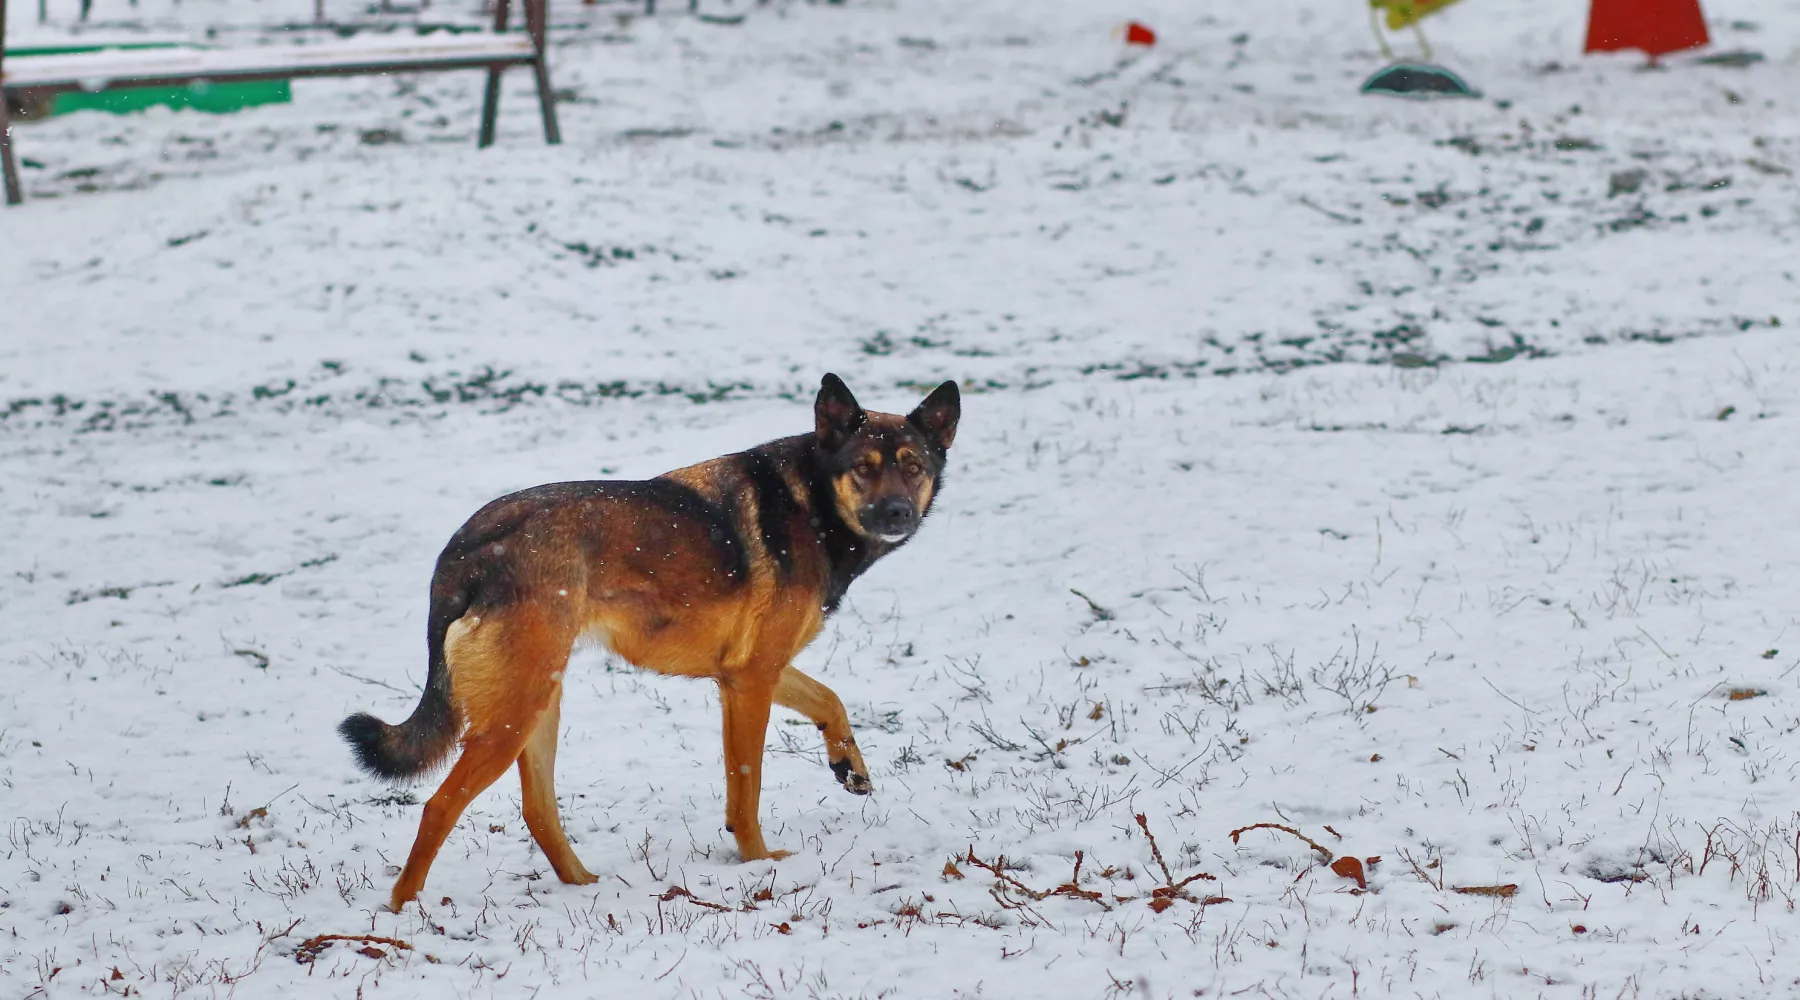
93 70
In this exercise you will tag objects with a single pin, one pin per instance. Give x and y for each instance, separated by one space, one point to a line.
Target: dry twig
1165 895
680 892
1161 897
1071 888
1324 851
1435 883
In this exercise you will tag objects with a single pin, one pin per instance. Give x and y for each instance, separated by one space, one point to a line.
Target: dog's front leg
746 702
819 703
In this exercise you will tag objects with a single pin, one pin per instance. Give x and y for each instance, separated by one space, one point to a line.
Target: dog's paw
854 782
580 876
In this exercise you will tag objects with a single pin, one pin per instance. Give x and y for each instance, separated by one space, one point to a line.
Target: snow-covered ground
1417 475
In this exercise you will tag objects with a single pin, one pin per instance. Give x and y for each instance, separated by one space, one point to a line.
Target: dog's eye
913 469
864 469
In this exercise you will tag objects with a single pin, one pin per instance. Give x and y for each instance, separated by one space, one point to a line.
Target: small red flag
1654 26
1137 34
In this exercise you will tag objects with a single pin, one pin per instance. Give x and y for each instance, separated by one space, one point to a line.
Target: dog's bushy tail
430 733
408 749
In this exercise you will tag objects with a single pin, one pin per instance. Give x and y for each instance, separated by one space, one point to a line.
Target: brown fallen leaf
309 950
1348 867
951 871
1502 891
1745 694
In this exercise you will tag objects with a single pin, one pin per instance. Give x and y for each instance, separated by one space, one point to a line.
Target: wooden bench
116 69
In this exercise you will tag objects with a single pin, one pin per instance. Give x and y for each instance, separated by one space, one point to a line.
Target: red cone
1655 26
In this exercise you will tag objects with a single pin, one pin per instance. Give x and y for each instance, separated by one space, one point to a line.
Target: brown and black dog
726 569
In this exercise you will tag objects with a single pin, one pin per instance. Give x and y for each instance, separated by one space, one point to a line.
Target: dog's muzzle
891 520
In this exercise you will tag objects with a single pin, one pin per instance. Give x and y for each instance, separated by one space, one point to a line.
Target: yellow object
1401 13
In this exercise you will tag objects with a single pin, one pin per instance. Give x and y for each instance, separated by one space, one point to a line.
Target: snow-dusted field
1418 476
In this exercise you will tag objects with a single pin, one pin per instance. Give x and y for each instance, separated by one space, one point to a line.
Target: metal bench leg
8 169
490 102
490 109
14 194
537 23
546 101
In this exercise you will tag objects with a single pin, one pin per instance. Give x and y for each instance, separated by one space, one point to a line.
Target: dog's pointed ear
936 417
836 414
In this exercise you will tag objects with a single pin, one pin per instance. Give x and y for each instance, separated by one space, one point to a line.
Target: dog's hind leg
819 703
484 759
746 707
537 782
502 666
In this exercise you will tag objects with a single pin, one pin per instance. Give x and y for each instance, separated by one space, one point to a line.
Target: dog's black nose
894 516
